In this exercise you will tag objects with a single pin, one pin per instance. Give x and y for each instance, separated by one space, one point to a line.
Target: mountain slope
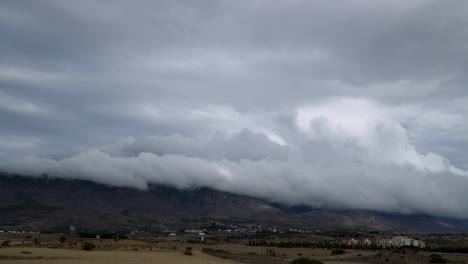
53 204
370 220
29 203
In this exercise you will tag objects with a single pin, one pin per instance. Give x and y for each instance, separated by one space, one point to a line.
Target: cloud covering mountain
360 104
343 154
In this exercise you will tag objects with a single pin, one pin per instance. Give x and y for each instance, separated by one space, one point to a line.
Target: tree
306 261
88 246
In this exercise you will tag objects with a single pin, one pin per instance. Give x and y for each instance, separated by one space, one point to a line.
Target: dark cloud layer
356 104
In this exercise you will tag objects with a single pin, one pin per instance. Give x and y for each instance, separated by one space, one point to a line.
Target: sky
352 104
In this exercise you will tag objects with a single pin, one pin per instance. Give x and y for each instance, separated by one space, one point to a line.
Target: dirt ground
292 253
67 256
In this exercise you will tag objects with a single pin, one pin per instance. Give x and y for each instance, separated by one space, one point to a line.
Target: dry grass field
45 249
292 253
22 249
66 256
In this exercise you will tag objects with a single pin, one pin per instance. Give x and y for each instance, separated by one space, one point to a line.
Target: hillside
29 203
53 204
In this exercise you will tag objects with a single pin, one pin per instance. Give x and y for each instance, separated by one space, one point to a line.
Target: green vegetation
88 246
306 244
103 234
306 261
291 244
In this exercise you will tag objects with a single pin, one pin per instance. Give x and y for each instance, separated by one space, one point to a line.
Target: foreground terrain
68 256
42 249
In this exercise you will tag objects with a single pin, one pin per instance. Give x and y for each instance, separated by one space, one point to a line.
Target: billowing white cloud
343 153
361 104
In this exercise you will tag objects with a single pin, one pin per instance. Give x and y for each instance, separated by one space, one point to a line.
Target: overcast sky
334 104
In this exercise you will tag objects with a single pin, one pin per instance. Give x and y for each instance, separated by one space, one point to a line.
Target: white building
401 241
193 231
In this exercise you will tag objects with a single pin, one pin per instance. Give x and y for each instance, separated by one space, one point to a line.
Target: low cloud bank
345 153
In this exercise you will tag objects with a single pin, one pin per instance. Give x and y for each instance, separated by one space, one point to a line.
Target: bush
214 251
63 239
271 252
434 258
6 243
306 261
188 251
88 246
338 252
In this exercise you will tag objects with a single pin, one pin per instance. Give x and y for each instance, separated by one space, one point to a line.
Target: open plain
45 249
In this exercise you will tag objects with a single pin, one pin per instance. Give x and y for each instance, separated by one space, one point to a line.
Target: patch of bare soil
270 256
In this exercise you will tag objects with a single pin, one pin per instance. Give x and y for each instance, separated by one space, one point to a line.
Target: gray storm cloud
356 104
347 153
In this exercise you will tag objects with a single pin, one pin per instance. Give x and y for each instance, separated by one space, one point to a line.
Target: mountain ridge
52 204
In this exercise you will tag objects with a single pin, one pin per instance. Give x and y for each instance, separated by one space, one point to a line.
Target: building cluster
394 242
401 241
12 232
352 242
198 232
221 229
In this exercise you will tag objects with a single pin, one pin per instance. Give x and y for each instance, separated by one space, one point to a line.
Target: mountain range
45 204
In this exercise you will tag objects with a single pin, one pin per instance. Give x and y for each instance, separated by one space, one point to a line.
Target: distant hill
377 221
53 204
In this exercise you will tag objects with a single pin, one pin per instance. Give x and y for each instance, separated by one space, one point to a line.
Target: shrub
271 252
434 258
88 246
6 243
306 261
211 251
63 239
338 252
188 251
36 241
